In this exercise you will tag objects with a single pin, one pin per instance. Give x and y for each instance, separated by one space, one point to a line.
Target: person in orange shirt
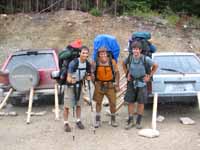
106 77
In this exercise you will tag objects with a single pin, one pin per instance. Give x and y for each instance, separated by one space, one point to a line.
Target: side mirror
55 75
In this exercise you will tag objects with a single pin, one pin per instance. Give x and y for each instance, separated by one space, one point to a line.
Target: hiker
106 76
78 70
137 79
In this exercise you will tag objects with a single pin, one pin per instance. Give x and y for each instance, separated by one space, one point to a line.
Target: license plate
183 87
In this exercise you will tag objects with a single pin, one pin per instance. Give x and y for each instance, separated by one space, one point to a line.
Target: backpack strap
76 64
112 68
147 67
130 58
88 67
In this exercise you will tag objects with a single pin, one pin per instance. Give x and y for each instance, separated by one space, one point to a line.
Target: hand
147 78
129 77
73 80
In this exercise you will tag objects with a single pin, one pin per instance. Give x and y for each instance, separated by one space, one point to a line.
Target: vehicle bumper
38 92
175 97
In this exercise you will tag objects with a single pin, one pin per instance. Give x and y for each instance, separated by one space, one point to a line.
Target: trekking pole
74 122
90 96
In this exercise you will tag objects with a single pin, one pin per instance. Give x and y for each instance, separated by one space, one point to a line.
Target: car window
174 64
41 60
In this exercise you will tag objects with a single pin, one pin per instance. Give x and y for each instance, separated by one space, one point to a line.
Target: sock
139 118
66 122
78 119
112 114
98 113
98 116
130 117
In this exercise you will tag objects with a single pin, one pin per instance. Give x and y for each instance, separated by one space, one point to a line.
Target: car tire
16 101
23 77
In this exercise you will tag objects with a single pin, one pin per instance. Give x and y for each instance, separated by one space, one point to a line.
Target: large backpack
107 41
65 57
147 47
110 43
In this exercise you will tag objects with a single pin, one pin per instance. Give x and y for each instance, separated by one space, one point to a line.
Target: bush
95 12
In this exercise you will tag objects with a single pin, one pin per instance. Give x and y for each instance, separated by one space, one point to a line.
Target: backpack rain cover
107 41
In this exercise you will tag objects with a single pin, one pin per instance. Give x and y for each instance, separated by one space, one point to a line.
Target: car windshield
41 60
173 64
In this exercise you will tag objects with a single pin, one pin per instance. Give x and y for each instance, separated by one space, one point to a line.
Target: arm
153 70
117 75
125 69
93 69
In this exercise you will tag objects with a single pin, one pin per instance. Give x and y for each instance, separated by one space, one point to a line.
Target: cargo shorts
109 92
69 97
138 94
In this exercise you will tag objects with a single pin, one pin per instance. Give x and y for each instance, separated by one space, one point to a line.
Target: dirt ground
56 30
45 133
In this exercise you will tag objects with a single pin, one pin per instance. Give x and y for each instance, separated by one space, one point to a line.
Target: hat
102 49
76 44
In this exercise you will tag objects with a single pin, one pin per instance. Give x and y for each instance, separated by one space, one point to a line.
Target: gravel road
46 133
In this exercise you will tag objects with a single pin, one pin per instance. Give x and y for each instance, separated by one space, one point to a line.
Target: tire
23 77
16 101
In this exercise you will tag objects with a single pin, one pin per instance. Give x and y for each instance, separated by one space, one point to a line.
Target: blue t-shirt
137 69
80 72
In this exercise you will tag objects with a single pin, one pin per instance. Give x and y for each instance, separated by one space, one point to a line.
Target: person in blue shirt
77 71
135 66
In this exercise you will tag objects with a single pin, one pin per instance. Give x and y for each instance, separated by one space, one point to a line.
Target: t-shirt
137 69
80 72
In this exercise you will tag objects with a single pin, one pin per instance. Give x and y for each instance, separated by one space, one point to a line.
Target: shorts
69 97
109 92
138 94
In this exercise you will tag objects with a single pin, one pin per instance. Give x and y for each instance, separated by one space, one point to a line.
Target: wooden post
30 105
56 102
6 98
198 97
154 114
120 105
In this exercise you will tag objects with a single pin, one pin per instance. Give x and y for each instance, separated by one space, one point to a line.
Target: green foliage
172 19
95 12
194 21
190 7
145 15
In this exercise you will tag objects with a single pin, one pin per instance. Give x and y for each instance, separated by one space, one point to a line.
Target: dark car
29 68
177 77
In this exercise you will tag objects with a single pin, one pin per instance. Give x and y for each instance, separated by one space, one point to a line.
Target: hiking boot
67 128
130 124
113 121
80 125
97 121
138 126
